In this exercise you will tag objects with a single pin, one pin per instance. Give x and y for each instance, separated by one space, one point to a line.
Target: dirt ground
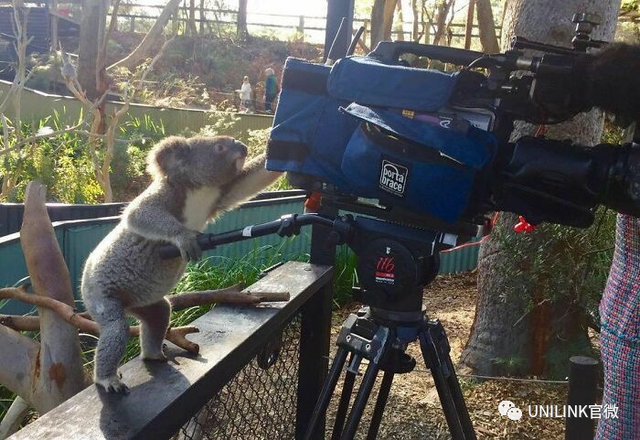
413 411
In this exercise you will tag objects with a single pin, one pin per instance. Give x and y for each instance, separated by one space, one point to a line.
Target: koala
193 181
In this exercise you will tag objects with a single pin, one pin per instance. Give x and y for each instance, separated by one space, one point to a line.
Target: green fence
36 105
77 239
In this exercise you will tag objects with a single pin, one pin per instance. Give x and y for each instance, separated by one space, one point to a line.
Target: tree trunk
487 27
141 52
504 329
90 41
415 29
468 31
441 21
387 19
399 25
377 22
60 373
193 30
242 31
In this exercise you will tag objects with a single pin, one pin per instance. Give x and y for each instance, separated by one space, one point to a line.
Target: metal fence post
583 379
316 314
336 11
315 333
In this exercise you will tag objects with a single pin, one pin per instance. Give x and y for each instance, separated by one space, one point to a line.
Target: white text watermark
508 409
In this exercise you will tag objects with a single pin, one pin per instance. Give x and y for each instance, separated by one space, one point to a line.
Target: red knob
523 226
312 204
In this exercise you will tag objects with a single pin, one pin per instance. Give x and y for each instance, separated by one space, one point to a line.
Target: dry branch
230 295
14 416
179 301
70 315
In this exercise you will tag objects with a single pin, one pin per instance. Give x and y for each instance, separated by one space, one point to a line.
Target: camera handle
390 51
286 226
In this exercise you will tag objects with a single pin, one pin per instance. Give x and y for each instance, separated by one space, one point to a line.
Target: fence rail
179 399
299 23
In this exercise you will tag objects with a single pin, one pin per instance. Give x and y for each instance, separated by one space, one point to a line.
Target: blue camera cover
368 81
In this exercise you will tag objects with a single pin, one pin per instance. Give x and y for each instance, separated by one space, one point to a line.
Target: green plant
346 277
509 364
62 162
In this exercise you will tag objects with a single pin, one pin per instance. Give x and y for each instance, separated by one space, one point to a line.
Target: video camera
432 149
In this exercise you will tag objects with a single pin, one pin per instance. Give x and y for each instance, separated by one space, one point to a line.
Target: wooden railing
207 17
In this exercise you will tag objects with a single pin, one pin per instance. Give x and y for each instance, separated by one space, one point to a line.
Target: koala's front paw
188 245
112 385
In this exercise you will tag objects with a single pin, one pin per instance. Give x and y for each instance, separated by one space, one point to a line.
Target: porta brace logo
393 178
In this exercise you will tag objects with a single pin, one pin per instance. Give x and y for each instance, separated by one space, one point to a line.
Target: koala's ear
169 158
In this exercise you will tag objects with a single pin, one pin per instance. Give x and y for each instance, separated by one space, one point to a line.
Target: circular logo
505 406
514 413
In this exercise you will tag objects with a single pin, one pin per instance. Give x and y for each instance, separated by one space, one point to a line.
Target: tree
242 30
193 30
91 25
141 52
487 27
377 22
517 322
444 6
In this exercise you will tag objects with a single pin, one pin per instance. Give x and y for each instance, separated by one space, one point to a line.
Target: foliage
630 5
204 72
346 277
6 399
62 162
559 263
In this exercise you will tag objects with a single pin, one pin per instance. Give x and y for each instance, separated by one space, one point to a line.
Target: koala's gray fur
194 180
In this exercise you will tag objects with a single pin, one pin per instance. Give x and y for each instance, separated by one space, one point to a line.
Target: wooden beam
164 396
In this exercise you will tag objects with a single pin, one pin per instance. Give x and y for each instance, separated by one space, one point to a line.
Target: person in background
270 89
245 95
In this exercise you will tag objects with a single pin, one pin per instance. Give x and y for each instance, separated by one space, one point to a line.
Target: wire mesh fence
260 402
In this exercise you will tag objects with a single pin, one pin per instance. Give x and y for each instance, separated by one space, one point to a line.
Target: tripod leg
343 406
458 400
381 402
361 401
435 351
327 391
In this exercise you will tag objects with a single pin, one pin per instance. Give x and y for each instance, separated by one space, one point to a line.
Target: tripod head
395 263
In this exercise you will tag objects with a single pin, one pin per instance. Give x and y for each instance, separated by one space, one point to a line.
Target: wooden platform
164 396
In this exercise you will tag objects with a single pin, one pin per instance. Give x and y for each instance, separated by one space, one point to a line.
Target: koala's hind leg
154 321
114 333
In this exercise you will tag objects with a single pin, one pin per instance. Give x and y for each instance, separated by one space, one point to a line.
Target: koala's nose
242 148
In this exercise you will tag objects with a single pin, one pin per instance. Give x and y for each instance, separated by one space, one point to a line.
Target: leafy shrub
63 164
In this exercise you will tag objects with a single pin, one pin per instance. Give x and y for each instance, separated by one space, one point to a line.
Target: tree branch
79 321
13 418
178 301
18 361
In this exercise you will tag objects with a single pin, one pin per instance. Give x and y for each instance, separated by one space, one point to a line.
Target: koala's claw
189 248
112 385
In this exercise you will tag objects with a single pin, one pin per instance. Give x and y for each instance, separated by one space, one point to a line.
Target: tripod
381 337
